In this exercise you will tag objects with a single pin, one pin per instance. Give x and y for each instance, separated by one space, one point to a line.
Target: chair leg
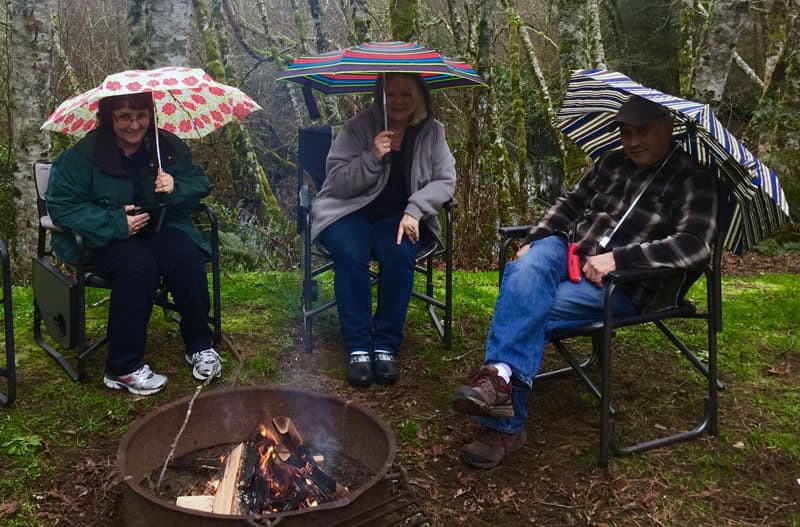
9 371
38 336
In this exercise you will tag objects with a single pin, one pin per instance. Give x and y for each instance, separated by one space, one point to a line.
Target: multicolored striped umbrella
355 69
591 103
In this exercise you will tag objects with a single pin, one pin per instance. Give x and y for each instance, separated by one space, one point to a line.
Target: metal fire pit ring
229 415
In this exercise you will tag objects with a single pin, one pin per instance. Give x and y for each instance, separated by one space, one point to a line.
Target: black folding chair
676 307
10 370
314 142
60 296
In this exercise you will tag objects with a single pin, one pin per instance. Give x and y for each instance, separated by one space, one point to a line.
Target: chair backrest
41 177
313 144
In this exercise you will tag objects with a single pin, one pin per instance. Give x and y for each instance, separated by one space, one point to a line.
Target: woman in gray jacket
382 195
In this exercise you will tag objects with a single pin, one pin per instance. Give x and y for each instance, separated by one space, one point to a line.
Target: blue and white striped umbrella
591 103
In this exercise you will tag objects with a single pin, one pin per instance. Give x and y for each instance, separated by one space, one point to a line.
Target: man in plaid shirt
671 207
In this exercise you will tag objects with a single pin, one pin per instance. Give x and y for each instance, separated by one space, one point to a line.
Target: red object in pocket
573 263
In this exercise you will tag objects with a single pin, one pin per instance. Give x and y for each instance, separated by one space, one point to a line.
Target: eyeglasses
127 118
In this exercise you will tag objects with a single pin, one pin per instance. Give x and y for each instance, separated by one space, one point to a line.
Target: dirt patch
753 263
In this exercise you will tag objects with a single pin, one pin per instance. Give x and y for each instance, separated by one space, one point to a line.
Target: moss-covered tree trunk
247 168
30 97
360 19
321 36
573 41
404 15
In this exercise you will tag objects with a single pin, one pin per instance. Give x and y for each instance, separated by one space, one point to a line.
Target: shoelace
207 356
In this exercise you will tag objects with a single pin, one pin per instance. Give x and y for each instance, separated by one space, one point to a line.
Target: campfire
317 461
275 471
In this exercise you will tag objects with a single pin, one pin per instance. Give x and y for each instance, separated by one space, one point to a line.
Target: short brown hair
135 101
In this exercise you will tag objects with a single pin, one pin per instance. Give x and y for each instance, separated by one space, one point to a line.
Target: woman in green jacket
135 219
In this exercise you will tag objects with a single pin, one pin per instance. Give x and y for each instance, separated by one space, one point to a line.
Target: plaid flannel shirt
672 225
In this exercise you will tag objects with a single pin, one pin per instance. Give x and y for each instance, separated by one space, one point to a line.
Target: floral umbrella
188 102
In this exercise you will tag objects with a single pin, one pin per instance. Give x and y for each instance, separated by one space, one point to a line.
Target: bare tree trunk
716 53
30 76
456 24
159 33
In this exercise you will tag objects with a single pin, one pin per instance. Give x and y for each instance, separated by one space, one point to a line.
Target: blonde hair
418 99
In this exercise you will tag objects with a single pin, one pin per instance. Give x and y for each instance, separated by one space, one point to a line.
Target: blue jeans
351 242
536 297
135 267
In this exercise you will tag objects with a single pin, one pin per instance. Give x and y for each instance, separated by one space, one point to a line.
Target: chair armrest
47 224
509 233
627 276
304 197
514 231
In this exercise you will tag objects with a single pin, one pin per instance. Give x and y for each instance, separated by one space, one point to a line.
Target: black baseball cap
638 110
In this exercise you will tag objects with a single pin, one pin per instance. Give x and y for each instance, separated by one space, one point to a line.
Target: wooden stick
225 499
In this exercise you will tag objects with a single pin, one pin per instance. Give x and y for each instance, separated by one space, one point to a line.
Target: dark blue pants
352 241
135 267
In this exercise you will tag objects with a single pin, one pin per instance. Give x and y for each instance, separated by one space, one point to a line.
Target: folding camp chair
60 297
314 142
9 371
675 308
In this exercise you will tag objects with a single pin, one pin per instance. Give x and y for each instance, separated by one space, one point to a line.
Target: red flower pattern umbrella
188 102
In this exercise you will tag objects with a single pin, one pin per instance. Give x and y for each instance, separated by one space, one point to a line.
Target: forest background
741 57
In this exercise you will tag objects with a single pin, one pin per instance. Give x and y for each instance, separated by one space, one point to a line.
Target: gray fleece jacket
356 176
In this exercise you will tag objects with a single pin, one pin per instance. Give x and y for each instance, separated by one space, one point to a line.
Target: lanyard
605 239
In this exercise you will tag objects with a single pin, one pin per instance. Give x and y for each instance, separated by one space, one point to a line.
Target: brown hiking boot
487 395
490 447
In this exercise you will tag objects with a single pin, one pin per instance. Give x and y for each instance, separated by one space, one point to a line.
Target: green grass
758 351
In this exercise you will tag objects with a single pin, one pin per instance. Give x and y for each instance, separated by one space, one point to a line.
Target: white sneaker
205 364
143 381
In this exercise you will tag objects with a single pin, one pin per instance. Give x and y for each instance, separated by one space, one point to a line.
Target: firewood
225 501
198 503
289 435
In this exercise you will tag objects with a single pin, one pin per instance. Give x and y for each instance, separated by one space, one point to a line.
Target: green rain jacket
89 187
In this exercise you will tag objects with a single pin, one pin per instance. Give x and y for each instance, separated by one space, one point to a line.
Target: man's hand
410 227
164 182
597 267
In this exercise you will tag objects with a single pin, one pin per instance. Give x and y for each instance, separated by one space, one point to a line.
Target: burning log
273 472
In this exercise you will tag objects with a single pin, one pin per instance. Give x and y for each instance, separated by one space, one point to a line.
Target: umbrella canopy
591 103
188 102
355 69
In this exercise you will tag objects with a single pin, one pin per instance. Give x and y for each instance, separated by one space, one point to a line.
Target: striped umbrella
355 69
591 103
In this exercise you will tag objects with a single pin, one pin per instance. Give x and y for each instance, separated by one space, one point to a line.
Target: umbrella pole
155 125
383 96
